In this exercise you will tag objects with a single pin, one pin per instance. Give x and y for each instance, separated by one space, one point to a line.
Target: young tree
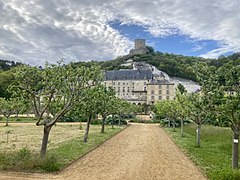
7 108
198 109
55 87
224 88
169 109
88 106
106 103
183 108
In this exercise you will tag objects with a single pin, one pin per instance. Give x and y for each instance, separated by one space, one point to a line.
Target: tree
198 109
224 91
88 106
55 87
150 49
181 88
183 108
106 103
7 108
6 79
169 109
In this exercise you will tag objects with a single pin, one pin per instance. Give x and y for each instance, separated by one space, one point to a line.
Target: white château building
141 85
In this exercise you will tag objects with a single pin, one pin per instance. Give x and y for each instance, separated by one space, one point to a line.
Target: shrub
96 122
116 120
50 163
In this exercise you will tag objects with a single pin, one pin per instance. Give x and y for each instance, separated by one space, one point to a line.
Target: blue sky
37 31
177 43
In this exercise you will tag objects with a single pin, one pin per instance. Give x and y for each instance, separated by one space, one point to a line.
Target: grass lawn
214 156
21 152
18 119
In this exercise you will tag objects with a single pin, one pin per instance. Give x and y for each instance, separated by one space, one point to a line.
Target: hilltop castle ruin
139 48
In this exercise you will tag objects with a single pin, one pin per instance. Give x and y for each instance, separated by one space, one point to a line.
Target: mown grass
214 156
18 119
57 158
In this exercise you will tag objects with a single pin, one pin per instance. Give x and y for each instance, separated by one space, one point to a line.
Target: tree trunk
7 119
169 123
103 124
198 135
181 127
46 132
87 129
119 122
174 130
112 121
235 148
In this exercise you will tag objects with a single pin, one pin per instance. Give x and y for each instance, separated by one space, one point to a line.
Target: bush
50 164
96 122
116 120
165 122
68 119
152 121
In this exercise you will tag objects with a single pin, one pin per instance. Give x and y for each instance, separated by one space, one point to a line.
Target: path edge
182 150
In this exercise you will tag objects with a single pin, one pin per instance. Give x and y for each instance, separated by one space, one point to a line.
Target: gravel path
141 152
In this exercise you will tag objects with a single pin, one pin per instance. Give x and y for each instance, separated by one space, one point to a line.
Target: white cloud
35 31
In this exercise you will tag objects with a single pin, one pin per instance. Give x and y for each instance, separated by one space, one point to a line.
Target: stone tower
140 43
139 48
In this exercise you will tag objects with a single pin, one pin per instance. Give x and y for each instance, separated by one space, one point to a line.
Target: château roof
128 75
159 82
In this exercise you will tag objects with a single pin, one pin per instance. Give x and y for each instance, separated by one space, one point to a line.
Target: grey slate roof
160 82
128 74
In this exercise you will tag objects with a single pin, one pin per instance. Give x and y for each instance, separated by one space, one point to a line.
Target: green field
21 151
214 155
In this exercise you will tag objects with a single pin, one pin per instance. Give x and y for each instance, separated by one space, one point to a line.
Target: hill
174 65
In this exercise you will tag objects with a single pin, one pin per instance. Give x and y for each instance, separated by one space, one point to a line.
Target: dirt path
140 152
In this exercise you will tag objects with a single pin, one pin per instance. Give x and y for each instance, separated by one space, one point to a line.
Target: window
160 86
132 83
160 92
123 83
160 97
167 91
118 83
145 89
123 89
152 98
152 91
145 83
168 86
118 89
113 83
167 97
128 90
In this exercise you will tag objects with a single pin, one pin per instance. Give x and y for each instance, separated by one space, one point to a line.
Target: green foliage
7 65
50 163
181 88
6 79
96 122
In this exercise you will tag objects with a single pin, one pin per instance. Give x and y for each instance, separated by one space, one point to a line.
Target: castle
143 84
139 48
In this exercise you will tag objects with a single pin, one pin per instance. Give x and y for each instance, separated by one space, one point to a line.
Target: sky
36 31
